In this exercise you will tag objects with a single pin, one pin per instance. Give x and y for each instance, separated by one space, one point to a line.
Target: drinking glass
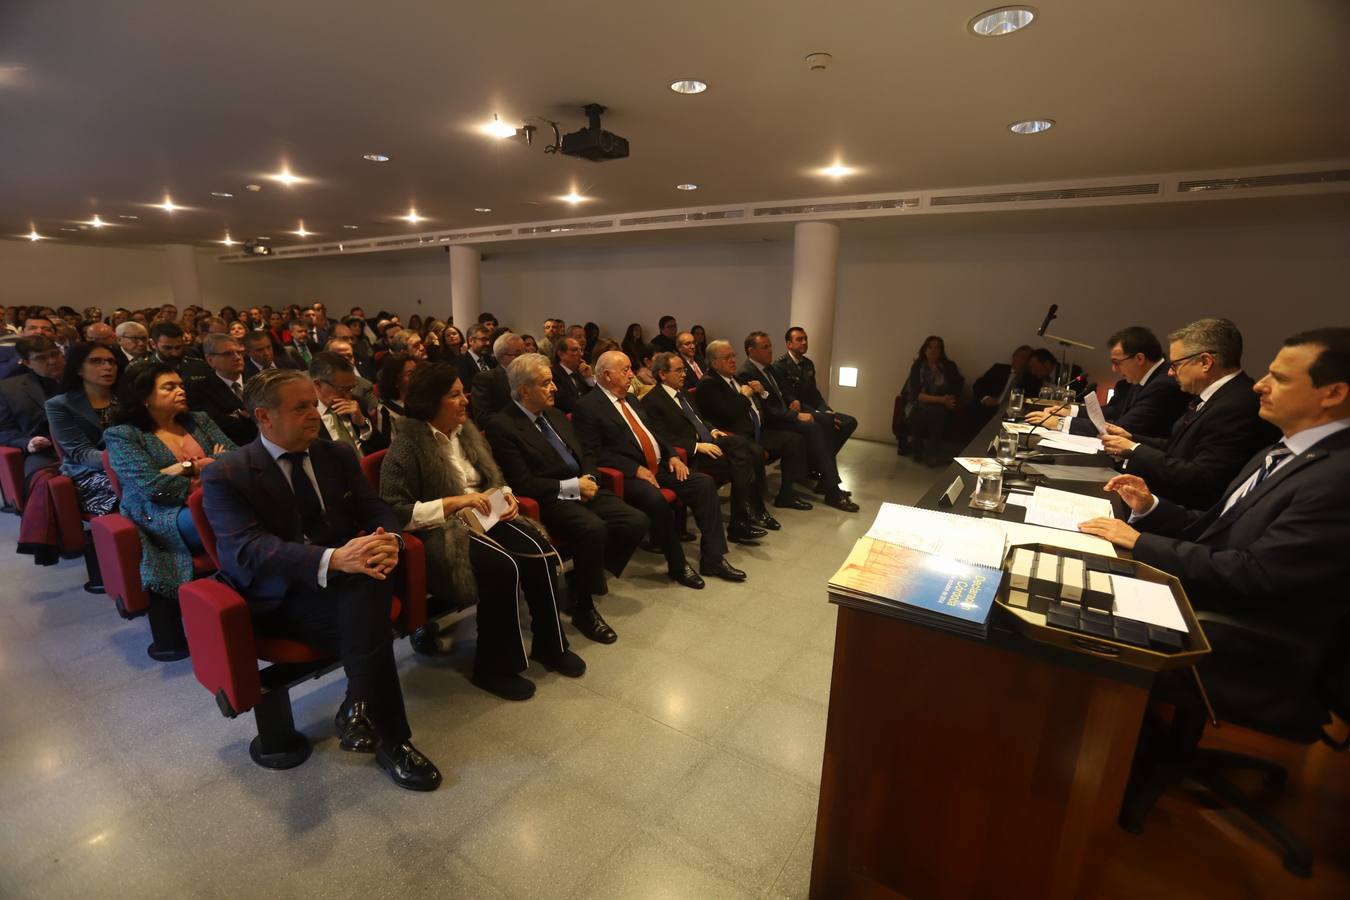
1005 449
1048 392
988 486
1015 400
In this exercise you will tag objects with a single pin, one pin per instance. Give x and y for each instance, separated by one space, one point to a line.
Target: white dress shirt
427 513
1214 388
614 399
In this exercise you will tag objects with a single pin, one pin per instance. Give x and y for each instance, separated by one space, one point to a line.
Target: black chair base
278 745
91 588
168 642
95 583
166 654
1208 765
296 753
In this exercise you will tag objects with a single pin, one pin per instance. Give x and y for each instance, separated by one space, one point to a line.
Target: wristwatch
189 467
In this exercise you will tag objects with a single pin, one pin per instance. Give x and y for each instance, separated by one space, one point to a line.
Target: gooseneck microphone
1049 317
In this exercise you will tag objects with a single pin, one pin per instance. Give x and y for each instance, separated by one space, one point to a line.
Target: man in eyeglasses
221 395
1220 430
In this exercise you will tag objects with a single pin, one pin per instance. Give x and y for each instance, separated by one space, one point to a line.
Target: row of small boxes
1075 592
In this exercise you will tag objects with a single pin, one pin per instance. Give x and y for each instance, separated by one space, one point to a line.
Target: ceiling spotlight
224 194
686 187
573 197
498 129
262 237
70 229
352 227
375 157
253 187
837 170
482 209
412 217
301 232
286 178
1001 21
129 217
1032 126
96 222
33 235
228 242
168 205
688 86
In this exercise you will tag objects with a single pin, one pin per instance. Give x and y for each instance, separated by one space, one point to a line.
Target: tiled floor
685 763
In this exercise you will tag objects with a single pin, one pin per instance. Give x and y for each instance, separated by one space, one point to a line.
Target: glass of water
1048 392
1015 400
988 486
1005 449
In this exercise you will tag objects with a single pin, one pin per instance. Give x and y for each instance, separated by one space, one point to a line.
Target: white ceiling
106 107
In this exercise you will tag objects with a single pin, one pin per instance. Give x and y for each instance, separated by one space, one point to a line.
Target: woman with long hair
934 394
633 344
452 342
439 467
78 419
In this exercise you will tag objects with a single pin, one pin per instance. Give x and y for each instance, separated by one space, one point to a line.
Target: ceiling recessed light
412 217
262 237
573 197
70 229
1001 21
482 209
168 205
375 157
686 187
301 232
253 187
837 170
228 242
96 222
498 129
286 177
1032 126
688 86
129 217
352 227
224 194
32 234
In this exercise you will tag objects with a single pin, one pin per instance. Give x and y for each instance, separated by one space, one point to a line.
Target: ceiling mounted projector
593 142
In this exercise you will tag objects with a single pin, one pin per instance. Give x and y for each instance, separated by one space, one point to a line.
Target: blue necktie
557 443
704 434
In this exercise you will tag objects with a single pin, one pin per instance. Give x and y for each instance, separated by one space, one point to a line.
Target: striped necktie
1277 455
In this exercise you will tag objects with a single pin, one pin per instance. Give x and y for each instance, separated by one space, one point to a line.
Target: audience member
797 377
700 341
666 329
695 367
409 343
221 394
633 345
1220 430
260 354
133 344
341 418
531 345
491 389
364 392
23 399
440 468
990 391
553 332
476 357
934 392
452 345
572 375
78 419
99 333
542 458
488 321
168 343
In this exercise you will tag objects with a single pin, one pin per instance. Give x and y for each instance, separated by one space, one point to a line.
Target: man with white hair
614 428
491 391
542 458
133 343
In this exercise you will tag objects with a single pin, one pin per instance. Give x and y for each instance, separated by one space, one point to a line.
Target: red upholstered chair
370 467
226 650
12 482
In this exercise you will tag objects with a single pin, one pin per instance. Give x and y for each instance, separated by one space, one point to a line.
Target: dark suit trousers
820 448
699 493
502 574
350 618
791 449
601 535
839 436
741 463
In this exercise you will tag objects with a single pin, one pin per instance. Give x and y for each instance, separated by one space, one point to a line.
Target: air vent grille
859 206
1263 181
1087 193
565 228
676 218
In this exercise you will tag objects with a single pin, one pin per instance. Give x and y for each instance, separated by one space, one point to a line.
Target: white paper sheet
1018 427
1016 498
1095 474
1073 443
495 512
1065 509
972 463
1019 533
1144 601
970 540
1094 411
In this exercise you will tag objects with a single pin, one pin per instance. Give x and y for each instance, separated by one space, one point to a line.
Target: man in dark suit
167 340
710 450
1219 432
990 391
783 412
304 570
491 391
797 377
614 429
1273 545
341 417
260 355
666 331
730 406
1146 400
694 368
133 344
571 374
542 458
475 357
221 395
23 398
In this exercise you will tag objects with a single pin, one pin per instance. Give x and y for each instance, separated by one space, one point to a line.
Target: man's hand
1117 446
39 443
1113 530
1133 491
345 406
584 370
678 468
512 508
1042 417
805 417
711 450
374 555
756 386
718 433
747 390
1118 431
588 488
645 474
795 405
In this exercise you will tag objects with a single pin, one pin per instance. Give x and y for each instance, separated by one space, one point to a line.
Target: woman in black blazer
934 392
77 419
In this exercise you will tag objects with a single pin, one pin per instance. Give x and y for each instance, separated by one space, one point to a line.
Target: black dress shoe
425 643
565 663
589 623
408 767
688 537
791 503
841 502
506 685
356 733
652 547
764 520
687 577
744 533
722 569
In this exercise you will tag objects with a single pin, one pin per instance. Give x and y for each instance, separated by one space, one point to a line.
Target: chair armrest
612 479
11 477
412 575
684 457
66 510
220 636
117 544
1258 638
529 507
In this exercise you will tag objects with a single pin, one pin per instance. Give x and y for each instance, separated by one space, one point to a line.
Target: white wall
51 274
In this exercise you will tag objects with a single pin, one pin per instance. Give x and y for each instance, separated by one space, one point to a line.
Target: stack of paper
1065 509
1073 443
979 542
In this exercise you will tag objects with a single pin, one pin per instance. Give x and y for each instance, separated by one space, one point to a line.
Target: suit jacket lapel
274 484
1226 519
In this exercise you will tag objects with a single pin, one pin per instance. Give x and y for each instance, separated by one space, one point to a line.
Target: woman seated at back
440 465
157 449
392 384
78 418
934 391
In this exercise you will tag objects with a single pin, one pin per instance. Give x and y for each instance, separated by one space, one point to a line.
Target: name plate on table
953 491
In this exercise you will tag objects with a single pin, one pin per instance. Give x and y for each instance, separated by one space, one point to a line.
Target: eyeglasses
101 361
238 353
338 389
1178 363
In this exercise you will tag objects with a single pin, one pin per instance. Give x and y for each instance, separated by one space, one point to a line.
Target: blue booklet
923 587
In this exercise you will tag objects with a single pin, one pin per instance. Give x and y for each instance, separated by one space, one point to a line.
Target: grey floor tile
794 881
652 868
782 732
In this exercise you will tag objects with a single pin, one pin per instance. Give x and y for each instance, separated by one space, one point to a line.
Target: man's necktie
698 373
1277 454
704 434
557 443
238 390
344 434
311 509
648 451
579 382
